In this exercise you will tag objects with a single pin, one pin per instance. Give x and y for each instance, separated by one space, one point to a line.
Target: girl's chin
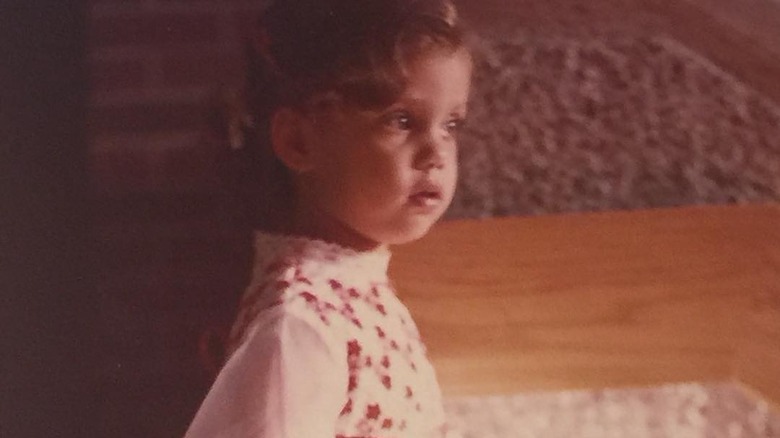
407 233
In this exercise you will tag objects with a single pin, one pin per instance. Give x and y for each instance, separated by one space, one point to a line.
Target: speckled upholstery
562 124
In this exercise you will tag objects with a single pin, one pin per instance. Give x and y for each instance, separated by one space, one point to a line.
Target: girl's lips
425 199
426 194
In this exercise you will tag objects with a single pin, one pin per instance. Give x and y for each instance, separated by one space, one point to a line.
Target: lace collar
278 248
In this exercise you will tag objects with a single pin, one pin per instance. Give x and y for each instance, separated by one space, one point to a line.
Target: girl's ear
289 141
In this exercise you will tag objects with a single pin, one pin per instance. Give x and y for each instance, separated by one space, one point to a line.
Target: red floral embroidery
319 307
334 284
380 332
309 297
385 361
347 408
300 277
352 383
353 348
387 424
375 291
353 360
381 309
387 382
349 312
373 411
409 393
394 345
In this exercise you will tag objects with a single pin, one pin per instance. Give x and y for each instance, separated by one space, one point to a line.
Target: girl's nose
432 152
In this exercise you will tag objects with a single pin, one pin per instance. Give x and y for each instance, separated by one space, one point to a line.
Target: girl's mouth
426 194
425 199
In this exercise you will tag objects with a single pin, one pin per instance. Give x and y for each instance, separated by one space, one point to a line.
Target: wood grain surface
758 355
597 300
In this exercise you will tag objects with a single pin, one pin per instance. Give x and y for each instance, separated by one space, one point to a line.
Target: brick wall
156 68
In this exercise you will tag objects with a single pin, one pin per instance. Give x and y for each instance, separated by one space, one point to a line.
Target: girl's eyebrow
461 108
412 102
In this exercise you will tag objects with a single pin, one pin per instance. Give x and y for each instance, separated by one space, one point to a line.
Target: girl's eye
399 120
454 125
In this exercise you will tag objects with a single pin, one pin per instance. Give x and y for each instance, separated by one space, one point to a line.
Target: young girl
356 105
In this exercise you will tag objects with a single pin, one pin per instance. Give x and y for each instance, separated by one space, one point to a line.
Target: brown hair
302 49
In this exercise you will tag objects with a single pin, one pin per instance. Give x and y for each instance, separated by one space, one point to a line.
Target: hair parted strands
306 53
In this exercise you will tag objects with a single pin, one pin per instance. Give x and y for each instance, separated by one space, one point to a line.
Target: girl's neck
309 221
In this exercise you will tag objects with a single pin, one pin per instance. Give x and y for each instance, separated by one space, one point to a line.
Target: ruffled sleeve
286 380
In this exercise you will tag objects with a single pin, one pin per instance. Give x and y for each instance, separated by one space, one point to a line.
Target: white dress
322 348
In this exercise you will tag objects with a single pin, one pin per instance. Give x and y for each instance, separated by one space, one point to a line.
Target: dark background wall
170 261
47 301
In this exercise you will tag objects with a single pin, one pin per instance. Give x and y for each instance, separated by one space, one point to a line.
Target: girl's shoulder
289 294
330 286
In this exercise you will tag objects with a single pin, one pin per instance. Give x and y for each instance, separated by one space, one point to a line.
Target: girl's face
384 177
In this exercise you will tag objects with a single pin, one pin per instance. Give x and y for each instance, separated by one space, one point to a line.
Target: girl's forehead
438 73
438 80
460 55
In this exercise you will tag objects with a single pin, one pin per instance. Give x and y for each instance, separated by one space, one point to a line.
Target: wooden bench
599 300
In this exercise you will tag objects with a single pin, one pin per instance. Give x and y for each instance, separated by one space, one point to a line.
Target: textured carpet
603 123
